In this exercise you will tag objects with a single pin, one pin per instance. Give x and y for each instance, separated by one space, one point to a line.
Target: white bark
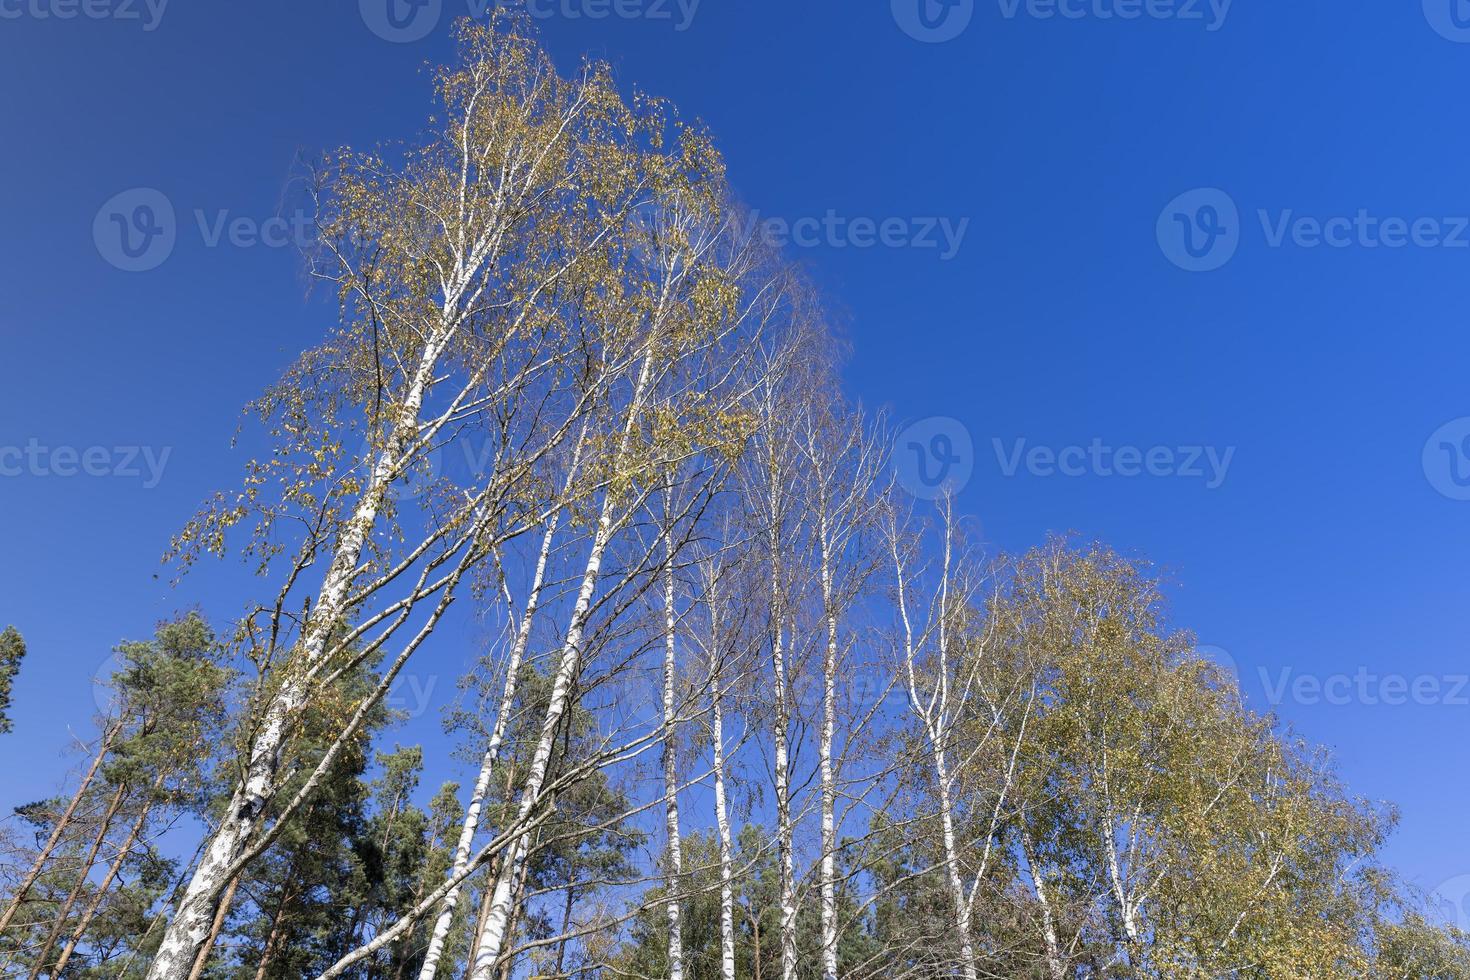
492 942
934 715
675 856
475 216
785 831
1054 964
190 926
825 740
471 823
963 921
770 496
1127 908
722 814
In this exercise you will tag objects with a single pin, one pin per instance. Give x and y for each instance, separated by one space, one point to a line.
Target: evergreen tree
99 874
309 895
12 652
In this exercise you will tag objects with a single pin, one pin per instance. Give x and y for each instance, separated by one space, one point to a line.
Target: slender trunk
215 929
675 855
755 935
935 718
482 915
493 942
722 816
824 751
566 927
785 840
196 910
1127 911
517 913
269 953
1054 965
482 907
272 943
471 823
113 806
62 822
962 916
105 885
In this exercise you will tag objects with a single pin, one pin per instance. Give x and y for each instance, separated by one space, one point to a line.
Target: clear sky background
1334 545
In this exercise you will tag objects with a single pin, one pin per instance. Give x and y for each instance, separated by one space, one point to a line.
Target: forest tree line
742 706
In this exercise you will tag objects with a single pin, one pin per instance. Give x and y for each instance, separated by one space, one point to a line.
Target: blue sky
997 203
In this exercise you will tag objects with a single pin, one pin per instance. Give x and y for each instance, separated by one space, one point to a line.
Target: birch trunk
785 839
195 914
824 749
215 929
517 913
492 942
671 754
935 716
1127 909
963 919
722 815
471 823
1054 965
482 912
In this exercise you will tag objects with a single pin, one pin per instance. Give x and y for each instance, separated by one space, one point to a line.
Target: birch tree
962 703
1165 829
674 857
676 295
503 714
453 270
842 463
569 391
723 637
776 403
684 298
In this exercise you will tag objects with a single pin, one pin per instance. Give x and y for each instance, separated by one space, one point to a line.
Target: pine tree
97 875
311 895
12 652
